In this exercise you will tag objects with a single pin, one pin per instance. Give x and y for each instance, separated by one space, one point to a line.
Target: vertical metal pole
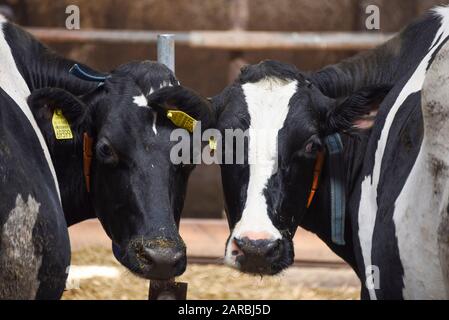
239 15
167 289
166 50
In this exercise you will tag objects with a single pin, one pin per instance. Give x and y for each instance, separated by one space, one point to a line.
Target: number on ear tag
61 126
181 120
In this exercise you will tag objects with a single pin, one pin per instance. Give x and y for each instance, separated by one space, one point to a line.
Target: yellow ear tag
61 126
181 120
212 144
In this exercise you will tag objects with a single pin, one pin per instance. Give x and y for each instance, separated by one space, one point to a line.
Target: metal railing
234 40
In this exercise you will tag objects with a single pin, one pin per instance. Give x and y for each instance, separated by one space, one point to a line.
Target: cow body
397 214
114 164
34 244
390 107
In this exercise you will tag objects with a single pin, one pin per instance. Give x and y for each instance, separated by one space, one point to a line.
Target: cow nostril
178 259
165 259
235 247
273 249
147 257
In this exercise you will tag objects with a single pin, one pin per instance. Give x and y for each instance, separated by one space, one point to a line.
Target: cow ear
183 99
44 102
356 112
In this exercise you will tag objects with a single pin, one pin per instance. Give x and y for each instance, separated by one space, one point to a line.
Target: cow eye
106 153
309 147
312 146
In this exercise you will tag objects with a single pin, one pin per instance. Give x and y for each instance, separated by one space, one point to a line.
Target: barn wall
207 70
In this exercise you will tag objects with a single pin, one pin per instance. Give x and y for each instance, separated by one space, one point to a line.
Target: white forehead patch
268 104
19 261
141 101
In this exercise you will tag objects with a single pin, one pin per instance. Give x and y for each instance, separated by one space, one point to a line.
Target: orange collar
316 177
87 158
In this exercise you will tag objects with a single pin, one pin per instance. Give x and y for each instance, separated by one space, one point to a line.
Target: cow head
286 119
135 190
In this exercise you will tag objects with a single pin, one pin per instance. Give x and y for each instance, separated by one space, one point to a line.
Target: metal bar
166 50
239 16
297 262
224 40
167 289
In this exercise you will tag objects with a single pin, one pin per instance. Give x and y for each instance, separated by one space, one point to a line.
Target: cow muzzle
260 256
155 259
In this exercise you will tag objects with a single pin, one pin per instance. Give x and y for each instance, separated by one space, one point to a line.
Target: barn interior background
208 71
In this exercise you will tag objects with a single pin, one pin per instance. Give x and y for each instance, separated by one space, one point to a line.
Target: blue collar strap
78 72
334 147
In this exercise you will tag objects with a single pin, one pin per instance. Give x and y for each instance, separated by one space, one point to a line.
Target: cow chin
153 259
260 264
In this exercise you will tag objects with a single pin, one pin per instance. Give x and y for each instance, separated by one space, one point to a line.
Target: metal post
167 289
166 50
239 14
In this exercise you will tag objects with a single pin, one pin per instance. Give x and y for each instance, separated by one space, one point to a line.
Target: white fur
268 105
420 215
14 85
154 122
141 101
20 260
368 202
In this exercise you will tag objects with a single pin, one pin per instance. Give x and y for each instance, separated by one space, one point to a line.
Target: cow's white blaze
268 105
20 261
141 101
12 82
368 203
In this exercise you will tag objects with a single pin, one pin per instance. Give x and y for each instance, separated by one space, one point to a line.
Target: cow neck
337 195
71 168
318 218
40 66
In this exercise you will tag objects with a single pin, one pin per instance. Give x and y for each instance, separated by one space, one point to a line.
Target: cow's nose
163 263
260 252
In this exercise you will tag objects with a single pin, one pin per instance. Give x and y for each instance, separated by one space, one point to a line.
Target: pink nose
256 235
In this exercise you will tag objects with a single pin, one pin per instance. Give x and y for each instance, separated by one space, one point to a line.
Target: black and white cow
137 192
387 110
119 149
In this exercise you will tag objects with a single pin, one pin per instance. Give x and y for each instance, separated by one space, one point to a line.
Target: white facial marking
154 122
163 85
14 85
268 105
406 217
19 260
141 101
